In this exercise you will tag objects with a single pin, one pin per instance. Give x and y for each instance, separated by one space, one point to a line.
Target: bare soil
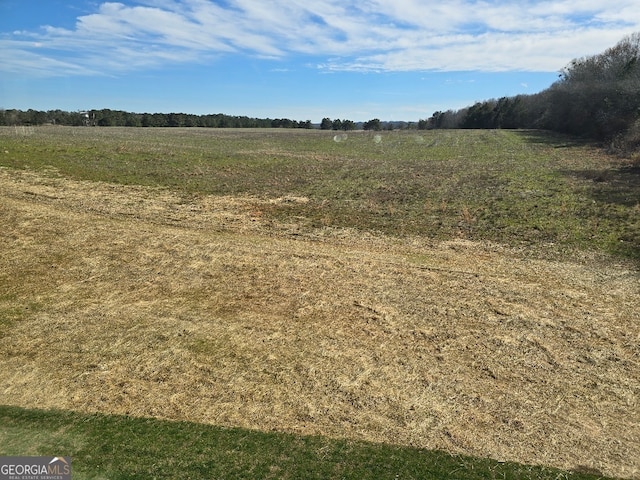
140 301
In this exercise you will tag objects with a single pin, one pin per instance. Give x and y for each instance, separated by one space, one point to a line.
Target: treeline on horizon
596 97
118 118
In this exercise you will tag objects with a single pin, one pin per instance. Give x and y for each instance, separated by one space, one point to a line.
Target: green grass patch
119 447
514 187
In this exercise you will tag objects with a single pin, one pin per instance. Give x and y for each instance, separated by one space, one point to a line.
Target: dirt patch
144 302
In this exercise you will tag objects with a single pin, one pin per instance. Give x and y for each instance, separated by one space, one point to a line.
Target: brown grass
143 302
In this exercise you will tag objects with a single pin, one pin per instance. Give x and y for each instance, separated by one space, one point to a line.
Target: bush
628 143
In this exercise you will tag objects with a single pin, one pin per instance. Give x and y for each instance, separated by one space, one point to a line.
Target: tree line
373 124
595 97
118 118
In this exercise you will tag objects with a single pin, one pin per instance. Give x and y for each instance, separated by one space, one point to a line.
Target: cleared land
242 308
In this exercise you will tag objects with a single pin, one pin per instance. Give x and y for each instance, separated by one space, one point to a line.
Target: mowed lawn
194 303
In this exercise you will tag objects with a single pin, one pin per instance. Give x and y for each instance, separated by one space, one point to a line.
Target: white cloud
377 35
31 62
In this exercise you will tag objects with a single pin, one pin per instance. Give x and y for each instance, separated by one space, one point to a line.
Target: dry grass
140 301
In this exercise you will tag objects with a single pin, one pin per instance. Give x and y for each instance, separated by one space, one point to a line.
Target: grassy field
287 304
518 188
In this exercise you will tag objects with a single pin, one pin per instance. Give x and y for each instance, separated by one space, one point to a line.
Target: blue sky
298 59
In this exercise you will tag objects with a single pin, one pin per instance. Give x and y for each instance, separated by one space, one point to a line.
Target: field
473 292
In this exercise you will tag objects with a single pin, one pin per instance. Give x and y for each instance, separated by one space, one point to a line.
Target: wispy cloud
377 35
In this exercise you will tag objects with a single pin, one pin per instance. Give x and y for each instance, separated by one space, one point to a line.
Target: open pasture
521 188
475 292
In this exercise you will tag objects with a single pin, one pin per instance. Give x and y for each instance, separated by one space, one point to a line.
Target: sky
296 59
